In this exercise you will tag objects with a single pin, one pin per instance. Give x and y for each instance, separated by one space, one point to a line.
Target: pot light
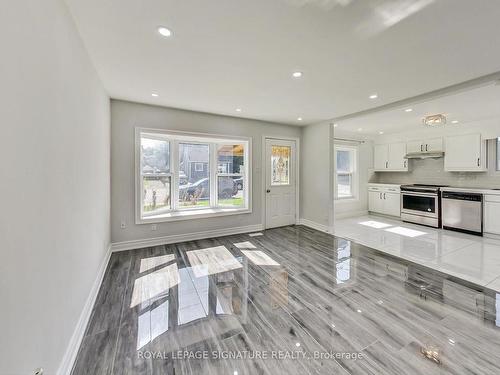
335 125
297 344
408 109
238 109
299 118
454 122
360 129
373 96
380 133
297 74
164 31
155 95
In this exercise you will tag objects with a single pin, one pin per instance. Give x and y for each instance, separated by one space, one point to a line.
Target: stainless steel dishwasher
462 212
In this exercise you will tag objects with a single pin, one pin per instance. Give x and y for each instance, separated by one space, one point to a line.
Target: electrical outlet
123 225
154 227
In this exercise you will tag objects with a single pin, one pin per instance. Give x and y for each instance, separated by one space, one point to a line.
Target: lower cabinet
492 214
384 200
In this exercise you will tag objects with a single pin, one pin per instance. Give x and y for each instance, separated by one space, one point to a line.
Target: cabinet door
375 202
380 157
491 215
397 161
433 145
463 153
392 204
414 146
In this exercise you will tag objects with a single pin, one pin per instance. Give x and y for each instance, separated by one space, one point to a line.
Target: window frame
213 140
354 150
497 155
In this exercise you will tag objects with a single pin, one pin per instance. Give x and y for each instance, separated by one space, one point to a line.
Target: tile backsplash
431 171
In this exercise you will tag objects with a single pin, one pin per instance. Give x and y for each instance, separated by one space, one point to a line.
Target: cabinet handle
386 164
380 195
421 148
404 164
426 146
478 162
384 195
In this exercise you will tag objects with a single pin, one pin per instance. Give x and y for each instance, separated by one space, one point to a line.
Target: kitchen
428 174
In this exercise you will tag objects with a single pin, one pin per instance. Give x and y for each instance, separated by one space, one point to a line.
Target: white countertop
471 190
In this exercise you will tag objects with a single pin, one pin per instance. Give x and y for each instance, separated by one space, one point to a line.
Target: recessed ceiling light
373 96
408 109
297 74
380 132
360 129
164 31
299 118
297 344
335 125
454 122
155 95
238 109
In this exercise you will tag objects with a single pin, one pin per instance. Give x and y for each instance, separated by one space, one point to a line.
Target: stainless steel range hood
425 155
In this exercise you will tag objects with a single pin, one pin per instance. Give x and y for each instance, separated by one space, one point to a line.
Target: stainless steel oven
421 204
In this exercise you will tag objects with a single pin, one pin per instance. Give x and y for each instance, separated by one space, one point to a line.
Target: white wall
316 174
54 193
125 116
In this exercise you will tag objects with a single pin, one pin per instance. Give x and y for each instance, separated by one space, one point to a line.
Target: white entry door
281 173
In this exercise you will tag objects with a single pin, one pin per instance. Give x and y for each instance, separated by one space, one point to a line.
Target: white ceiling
226 54
467 107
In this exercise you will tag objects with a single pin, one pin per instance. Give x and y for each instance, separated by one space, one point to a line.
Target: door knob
268 191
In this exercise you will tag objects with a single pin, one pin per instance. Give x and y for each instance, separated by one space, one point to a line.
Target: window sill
193 214
347 200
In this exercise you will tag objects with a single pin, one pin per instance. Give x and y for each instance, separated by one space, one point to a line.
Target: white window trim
355 173
193 213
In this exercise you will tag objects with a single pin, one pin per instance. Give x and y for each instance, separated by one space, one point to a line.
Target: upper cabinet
390 158
428 145
465 153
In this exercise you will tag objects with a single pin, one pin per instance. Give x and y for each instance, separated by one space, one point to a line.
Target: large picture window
182 175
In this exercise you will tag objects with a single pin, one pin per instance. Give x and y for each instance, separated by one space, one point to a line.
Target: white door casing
280 176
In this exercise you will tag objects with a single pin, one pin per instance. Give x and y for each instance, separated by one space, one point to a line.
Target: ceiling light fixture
373 96
238 109
408 109
297 74
164 31
434 120
335 125
299 118
454 122
360 129
155 95
380 133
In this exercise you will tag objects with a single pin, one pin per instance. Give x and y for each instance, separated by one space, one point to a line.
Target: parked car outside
201 189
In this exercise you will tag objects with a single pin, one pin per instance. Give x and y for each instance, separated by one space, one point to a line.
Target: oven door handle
431 195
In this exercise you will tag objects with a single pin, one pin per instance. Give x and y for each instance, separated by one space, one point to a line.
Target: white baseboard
76 339
314 225
345 215
147 242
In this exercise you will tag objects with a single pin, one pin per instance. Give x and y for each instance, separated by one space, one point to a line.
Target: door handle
268 190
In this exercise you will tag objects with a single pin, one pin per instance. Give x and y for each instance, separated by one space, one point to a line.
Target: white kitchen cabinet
427 145
380 157
465 153
397 161
384 199
390 157
492 214
392 203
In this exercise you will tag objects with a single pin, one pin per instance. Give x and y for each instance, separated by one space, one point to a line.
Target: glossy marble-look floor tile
293 301
472 258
